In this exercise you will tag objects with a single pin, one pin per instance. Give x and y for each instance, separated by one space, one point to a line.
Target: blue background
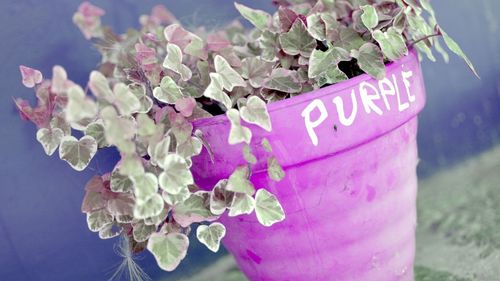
43 235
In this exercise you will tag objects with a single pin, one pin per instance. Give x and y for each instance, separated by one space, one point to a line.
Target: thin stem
424 38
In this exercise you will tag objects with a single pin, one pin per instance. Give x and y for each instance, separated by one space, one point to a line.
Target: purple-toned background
43 235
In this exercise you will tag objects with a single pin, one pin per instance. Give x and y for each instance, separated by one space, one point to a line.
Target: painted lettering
310 125
406 75
401 106
386 89
367 99
346 121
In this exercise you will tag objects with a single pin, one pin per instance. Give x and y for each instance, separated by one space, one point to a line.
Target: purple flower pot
350 155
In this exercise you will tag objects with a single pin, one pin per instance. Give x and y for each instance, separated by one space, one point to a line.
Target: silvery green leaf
58 121
274 169
349 39
196 48
121 205
97 220
158 219
316 26
192 210
141 231
247 154
266 145
149 208
181 128
255 70
131 165
297 40
369 16
173 199
49 139
120 183
110 231
238 181
168 91
77 153
124 219
99 85
96 130
189 148
220 198
258 18
173 61
215 90
371 60
229 78
117 128
146 103
331 76
255 112
237 133
176 175
268 42
283 80
168 249
145 186
423 48
145 125
211 235
159 151
267 208
242 204
392 43
124 100
320 61
455 48
79 107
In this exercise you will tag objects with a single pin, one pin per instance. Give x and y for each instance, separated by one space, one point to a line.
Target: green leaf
268 42
228 76
146 103
215 90
242 204
316 26
120 183
331 76
220 198
455 48
77 153
79 107
96 130
274 169
145 186
49 139
258 18
211 235
141 231
371 60
97 220
267 208
100 86
168 249
297 40
369 16
266 145
117 129
189 148
284 80
237 133
247 154
173 199
159 151
149 208
392 43
194 209
173 61
348 39
176 175
145 125
158 219
239 182
320 62
110 231
124 100
131 165
256 70
255 112
168 91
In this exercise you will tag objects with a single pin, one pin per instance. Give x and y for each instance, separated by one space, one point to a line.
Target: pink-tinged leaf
31 76
216 42
95 184
88 20
185 106
177 35
88 10
161 15
145 56
60 82
286 17
121 205
39 115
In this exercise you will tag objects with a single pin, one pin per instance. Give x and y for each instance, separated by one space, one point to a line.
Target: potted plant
320 184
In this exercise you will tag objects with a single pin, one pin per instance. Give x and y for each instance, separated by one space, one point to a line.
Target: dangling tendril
128 268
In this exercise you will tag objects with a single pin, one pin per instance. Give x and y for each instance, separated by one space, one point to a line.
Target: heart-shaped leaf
320 62
391 42
146 103
220 198
145 125
331 76
174 199
97 220
110 231
369 16
216 92
283 80
173 61
348 39
120 183
77 153
149 208
168 91
267 208
168 249
371 60
316 26
297 40
176 175
258 18
211 235
30 76
49 139
121 205
255 70
99 85
255 112
194 209
124 100
228 76
142 231
79 107
274 169
238 181
242 204
145 186
237 133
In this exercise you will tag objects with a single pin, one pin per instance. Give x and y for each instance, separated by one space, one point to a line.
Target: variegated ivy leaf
146 103
320 62
216 92
159 151
229 78
49 139
283 80
145 125
455 48
189 148
96 130
247 154
255 112
97 220
391 42
173 61
258 18
237 133
149 208
371 60
268 42
297 40
59 122
99 85
220 198
120 183
173 199
158 219
181 128
266 145
141 231
239 182
211 235
110 231
145 186
117 129
348 39
77 153
242 204
194 209
124 100
369 16
168 91
316 26
267 208
79 107
274 169
131 165
176 175
168 249
331 76
255 70
121 205
124 219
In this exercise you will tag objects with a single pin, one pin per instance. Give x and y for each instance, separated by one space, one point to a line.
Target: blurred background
43 235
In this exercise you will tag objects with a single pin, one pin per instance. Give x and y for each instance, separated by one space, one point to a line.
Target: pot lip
315 94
